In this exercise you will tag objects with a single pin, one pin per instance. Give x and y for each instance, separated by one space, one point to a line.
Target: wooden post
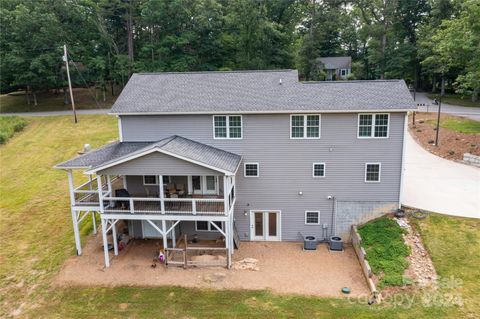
185 264
105 243
76 231
65 58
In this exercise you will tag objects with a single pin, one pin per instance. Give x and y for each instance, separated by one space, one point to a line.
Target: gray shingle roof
176 145
340 62
255 91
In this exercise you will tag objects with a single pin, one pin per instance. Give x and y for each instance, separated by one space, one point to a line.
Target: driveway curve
439 185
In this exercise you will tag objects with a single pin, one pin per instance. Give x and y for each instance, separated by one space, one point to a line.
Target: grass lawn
10 125
37 237
462 125
455 99
47 101
386 250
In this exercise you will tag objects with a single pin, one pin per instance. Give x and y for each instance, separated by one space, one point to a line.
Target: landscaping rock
246 264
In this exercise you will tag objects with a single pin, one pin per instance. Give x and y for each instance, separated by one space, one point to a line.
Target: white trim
324 170
402 173
137 155
372 133
245 169
209 226
305 127
379 172
227 120
267 112
156 180
312 211
120 128
265 228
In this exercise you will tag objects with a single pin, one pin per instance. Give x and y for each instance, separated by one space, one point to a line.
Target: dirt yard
283 268
452 144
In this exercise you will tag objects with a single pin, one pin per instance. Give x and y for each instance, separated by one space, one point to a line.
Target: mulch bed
452 145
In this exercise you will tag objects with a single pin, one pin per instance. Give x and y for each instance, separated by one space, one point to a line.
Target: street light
438 117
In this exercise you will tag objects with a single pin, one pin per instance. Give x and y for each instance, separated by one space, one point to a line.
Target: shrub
386 250
10 125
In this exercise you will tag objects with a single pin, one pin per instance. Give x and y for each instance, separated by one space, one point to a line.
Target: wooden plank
236 237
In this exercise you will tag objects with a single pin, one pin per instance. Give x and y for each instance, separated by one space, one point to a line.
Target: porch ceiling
188 150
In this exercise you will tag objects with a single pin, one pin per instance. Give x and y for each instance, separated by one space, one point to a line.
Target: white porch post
114 237
124 180
189 184
164 235
173 238
109 185
105 242
227 243
225 194
76 232
231 234
94 223
161 193
104 222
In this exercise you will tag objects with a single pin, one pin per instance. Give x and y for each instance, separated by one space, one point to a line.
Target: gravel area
282 267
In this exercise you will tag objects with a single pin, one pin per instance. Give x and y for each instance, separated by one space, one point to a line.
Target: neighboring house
336 68
253 153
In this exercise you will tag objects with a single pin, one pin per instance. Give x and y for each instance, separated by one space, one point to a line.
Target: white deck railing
173 206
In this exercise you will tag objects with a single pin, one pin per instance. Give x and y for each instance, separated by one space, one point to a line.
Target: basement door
265 225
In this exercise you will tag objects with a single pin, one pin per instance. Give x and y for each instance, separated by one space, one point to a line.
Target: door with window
265 225
205 185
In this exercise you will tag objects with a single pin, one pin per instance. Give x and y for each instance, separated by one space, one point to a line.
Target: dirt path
283 268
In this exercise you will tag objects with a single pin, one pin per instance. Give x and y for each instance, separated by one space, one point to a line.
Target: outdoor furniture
122 192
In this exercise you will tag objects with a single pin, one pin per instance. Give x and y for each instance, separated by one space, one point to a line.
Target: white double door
204 185
265 225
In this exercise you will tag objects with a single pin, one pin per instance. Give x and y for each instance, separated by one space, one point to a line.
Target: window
150 180
227 126
305 126
344 72
373 125
372 172
207 226
312 218
251 170
318 169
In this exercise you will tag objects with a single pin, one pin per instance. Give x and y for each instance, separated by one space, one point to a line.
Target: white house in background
336 68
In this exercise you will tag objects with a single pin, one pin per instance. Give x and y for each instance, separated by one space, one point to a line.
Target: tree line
432 44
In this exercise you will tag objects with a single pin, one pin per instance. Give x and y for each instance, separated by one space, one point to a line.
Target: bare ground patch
283 268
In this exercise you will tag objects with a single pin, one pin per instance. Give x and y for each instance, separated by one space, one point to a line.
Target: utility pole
65 58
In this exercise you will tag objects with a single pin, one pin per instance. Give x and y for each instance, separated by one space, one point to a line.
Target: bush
10 125
386 250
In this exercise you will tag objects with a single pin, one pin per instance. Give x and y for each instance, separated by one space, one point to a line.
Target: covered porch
159 184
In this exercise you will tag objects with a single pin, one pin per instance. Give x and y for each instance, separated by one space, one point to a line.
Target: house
336 68
255 155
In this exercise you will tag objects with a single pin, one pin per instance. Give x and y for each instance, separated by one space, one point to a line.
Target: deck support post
105 243
114 237
174 244
225 194
231 234
76 231
227 243
164 235
94 222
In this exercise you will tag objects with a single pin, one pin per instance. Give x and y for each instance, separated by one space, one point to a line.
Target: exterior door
265 225
205 185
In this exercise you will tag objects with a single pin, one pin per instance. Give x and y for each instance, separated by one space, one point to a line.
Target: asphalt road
470 112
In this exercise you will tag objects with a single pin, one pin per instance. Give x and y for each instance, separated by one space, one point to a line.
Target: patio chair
181 190
122 192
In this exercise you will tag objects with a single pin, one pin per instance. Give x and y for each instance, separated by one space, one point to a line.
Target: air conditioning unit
336 243
310 243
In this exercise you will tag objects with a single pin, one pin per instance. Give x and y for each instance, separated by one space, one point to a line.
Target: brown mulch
452 145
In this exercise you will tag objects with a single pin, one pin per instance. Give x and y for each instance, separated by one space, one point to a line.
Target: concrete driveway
439 185
470 112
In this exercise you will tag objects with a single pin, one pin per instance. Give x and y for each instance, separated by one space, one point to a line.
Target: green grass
10 125
386 250
37 238
461 125
48 101
455 99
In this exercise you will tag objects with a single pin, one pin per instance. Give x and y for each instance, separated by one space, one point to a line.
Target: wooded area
421 41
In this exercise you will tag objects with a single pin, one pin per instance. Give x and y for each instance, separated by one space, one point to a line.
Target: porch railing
174 206
87 193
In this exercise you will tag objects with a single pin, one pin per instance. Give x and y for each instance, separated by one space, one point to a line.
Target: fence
195 256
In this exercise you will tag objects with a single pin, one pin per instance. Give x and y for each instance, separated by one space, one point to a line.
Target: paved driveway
439 185
470 112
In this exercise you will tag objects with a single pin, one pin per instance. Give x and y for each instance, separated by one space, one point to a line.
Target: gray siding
136 187
286 165
157 164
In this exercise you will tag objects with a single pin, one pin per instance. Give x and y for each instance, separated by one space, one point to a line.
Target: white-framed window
150 180
372 172
312 217
373 125
304 126
318 170
251 170
202 225
227 126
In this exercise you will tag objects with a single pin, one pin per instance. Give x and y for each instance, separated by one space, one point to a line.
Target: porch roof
176 146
